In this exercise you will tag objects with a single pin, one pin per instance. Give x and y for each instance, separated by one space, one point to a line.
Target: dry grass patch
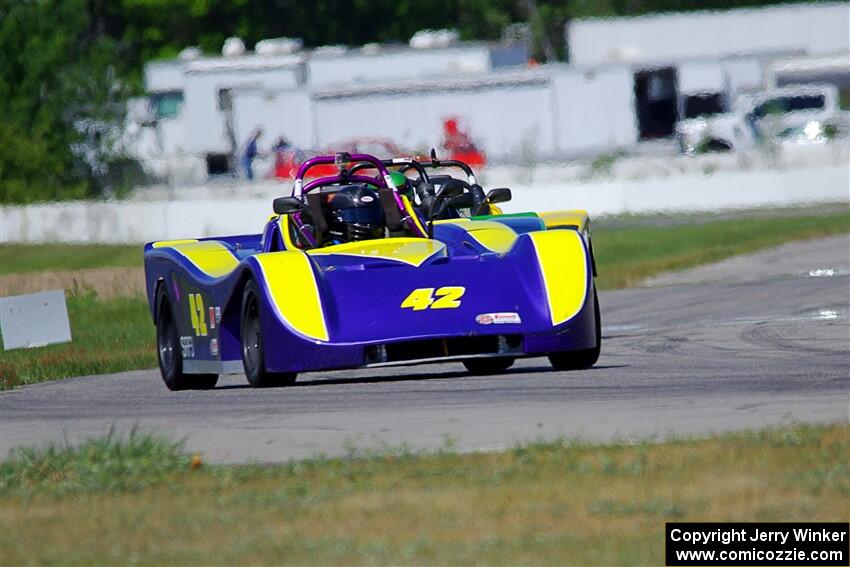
105 282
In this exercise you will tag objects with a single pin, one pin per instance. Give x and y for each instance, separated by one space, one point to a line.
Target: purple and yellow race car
351 273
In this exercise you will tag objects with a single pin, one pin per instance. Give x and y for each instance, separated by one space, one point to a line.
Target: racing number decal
447 297
198 314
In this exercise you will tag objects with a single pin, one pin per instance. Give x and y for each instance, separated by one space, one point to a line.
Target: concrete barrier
135 221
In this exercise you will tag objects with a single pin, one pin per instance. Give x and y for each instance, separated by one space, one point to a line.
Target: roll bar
341 159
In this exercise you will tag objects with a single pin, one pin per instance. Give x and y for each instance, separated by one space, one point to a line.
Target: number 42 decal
447 297
197 313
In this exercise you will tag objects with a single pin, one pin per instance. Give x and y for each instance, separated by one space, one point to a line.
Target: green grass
627 255
97 465
27 258
108 336
116 334
547 503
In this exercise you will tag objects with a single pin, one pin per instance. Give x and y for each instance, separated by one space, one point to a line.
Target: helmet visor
363 215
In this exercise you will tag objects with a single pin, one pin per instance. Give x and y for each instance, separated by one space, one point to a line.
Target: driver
353 213
404 186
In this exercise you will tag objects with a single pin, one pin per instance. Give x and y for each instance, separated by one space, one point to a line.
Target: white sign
34 320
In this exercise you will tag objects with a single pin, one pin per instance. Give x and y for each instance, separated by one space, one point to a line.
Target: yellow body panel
284 225
294 293
413 251
492 235
210 256
563 263
166 243
577 218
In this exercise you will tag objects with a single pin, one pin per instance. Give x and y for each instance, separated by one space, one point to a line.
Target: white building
629 80
814 29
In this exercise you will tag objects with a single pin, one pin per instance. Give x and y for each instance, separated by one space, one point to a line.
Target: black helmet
354 212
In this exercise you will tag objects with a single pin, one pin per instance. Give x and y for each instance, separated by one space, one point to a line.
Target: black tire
488 365
170 354
253 353
581 359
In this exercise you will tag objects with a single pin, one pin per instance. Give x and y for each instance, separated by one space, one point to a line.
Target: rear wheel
170 352
581 359
488 365
253 353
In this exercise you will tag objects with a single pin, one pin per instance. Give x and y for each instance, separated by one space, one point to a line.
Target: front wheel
253 353
488 365
170 352
581 359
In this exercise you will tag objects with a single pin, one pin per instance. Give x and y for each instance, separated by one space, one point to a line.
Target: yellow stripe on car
283 225
493 235
210 256
294 292
563 264
409 209
577 218
412 251
166 243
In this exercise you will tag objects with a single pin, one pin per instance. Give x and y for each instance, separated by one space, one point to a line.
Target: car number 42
447 297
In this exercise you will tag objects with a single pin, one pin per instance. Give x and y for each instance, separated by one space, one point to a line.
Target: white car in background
798 113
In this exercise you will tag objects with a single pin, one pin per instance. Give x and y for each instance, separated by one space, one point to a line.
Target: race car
348 274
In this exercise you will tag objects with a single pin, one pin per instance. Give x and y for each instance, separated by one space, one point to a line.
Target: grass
627 255
548 503
107 464
28 258
108 336
116 334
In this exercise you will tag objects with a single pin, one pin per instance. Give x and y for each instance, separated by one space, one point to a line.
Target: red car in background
288 160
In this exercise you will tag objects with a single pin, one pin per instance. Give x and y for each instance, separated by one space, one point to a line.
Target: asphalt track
763 340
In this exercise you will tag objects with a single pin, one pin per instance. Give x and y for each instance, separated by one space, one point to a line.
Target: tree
60 89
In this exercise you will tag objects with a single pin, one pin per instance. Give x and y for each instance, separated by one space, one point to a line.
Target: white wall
701 77
135 222
205 123
814 29
287 113
394 65
594 109
503 119
164 76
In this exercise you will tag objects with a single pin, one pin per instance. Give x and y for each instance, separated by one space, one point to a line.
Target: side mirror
288 205
464 201
500 195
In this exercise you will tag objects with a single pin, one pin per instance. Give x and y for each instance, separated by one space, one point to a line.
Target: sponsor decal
212 317
187 346
214 347
506 318
217 315
367 198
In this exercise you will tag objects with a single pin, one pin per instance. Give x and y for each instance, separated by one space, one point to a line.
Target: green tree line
67 66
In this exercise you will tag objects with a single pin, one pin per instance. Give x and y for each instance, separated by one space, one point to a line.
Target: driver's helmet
353 213
405 187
